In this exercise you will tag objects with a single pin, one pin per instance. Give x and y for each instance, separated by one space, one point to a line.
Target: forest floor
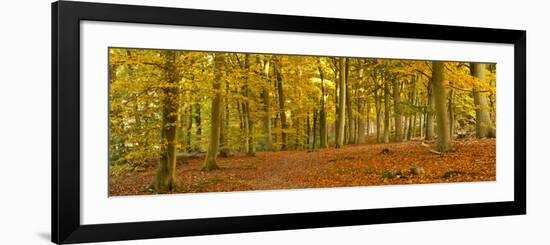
410 162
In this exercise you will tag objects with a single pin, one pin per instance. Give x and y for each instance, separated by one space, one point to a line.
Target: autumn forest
198 121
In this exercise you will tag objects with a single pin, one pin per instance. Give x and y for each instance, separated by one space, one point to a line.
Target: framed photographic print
177 122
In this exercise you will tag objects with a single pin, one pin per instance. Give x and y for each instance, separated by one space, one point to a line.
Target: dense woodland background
168 105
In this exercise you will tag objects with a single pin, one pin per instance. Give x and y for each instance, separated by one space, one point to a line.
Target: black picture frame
66 18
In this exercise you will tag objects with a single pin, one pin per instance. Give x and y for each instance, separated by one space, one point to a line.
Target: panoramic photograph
200 121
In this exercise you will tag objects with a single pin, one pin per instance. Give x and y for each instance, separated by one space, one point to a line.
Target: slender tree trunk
251 142
406 127
188 118
483 120
179 130
188 129
421 125
282 111
368 120
223 114
240 113
397 110
197 117
165 179
346 117
277 119
451 113
416 121
323 113
337 87
349 109
245 128
440 99
222 127
346 130
267 109
361 126
359 122
298 143
276 122
341 106
412 126
308 130
358 117
251 145
225 122
215 122
386 113
313 146
378 105
412 118
429 113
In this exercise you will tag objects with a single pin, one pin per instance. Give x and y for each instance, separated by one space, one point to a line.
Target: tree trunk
276 122
421 125
308 130
179 130
298 144
349 109
222 127
412 126
189 129
386 113
440 100
240 113
378 109
412 118
397 110
407 128
224 130
361 126
251 145
215 122
323 113
429 113
341 106
451 113
483 120
165 179
245 128
368 120
267 109
282 111
336 101
313 146
251 151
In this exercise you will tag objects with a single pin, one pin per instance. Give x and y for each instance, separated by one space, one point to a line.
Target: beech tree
397 110
387 112
440 100
165 179
215 124
483 121
323 113
267 105
341 105
282 111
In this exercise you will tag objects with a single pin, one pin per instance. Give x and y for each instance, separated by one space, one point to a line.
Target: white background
25 124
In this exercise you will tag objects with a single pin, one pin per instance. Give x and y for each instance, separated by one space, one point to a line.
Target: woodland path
353 165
